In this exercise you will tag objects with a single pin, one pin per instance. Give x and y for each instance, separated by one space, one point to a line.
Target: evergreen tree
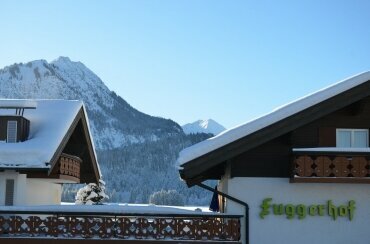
91 194
138 167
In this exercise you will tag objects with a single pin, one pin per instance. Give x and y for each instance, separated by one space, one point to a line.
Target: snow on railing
54 223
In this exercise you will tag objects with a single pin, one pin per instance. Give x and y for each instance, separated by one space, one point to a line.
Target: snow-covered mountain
114 123
203 126
136 148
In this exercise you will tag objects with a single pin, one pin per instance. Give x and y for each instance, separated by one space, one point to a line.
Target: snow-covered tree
140 166
170 197
92 194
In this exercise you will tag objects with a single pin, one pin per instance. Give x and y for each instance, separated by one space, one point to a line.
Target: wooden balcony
33 226
331 167
69 167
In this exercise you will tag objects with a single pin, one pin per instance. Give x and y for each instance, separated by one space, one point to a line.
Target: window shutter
12 132
9 192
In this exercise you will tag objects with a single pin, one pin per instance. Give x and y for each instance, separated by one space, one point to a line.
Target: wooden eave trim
191 181
64 141
25 170
196 167
90 146
45 175
80 116
36 174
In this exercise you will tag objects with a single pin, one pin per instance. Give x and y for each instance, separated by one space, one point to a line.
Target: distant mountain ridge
114 123
136 151
208 126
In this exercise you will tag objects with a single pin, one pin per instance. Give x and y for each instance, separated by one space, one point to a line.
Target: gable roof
51 124
209 153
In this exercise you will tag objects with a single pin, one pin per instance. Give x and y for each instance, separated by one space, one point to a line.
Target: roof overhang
195 170
80 117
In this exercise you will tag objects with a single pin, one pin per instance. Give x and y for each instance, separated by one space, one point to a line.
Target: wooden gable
267 152
74 159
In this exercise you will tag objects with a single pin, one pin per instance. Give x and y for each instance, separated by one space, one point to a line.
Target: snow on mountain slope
114 123
203 126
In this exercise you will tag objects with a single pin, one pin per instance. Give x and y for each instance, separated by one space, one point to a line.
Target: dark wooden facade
268 152
23 127
78 142
67 168
274 158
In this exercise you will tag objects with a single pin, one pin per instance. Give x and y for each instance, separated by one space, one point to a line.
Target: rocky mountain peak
114 122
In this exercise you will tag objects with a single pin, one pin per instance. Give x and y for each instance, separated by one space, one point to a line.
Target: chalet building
43 144
299 174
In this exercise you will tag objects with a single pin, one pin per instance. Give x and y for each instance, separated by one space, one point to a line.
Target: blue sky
185 60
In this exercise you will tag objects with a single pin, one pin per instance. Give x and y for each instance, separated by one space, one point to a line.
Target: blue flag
214 206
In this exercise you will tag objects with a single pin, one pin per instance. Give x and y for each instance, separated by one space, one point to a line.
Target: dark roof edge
194 168
80 116
24 168
91 146
64 141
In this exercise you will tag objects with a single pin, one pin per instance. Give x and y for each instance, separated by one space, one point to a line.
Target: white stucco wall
30 191
312 229
41 192
19 186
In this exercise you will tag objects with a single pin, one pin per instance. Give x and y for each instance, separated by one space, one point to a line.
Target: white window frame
352 135
16 131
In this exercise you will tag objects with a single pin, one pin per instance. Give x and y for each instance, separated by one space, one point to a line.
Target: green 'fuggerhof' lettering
300 211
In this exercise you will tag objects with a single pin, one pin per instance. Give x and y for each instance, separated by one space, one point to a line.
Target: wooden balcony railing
69 167
331 167
110 226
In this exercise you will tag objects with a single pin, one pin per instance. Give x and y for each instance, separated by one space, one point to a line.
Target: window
352 138
9 192
12 132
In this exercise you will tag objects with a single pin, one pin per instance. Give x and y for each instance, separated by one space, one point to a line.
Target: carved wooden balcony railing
69 167
175 227
327 167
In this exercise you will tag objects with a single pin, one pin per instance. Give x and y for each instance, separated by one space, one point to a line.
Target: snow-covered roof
238 132
49 123
15 103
